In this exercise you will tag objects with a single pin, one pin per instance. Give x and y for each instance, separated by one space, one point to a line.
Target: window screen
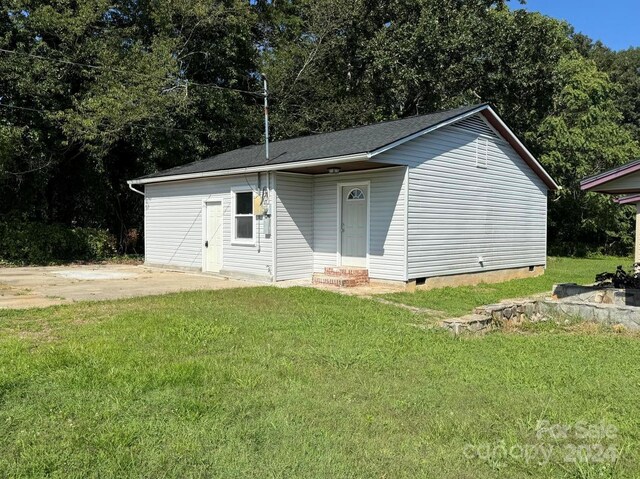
244 216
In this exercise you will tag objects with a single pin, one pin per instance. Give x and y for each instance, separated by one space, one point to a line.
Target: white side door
213 237
354 226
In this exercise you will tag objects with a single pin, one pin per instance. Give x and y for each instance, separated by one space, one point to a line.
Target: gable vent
477 126
482 152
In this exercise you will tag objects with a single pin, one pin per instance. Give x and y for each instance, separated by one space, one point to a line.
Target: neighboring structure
623 181
451 193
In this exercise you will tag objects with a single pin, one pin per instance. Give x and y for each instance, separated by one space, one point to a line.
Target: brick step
339 281
344 271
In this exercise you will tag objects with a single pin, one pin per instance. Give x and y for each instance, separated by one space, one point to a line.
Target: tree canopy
93 93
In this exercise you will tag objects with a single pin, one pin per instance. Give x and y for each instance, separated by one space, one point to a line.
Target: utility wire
25 108
137 125
103 67
169 128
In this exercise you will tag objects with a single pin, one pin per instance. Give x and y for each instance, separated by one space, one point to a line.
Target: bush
23 242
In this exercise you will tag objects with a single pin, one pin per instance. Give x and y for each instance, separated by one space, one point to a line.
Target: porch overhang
348 167
323 162
628 200
623 181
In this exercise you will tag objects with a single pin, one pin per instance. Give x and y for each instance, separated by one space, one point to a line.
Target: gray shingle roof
362 139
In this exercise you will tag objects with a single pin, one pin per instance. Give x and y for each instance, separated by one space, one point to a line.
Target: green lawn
270 382
461 300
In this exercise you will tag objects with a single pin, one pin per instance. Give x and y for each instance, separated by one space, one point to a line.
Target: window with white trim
243 216
355 194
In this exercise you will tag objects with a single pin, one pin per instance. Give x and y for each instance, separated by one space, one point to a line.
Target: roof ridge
412 117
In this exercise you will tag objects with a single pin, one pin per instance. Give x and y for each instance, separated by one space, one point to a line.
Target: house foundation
473 279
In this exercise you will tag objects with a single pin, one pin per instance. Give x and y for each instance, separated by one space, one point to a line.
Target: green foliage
623 68
24 242
152 102
580 136
140 111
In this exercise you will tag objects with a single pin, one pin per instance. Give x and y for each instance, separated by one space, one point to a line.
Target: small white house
447 194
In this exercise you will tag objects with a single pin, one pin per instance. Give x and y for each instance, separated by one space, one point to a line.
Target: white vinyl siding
173 225
294 223
475 124
386 221
459 193
459 212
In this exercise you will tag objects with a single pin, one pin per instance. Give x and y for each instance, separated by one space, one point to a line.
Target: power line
169 128
103 67
25 108
136 125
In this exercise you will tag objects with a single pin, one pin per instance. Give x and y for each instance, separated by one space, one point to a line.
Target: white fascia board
512 137
253 169
516 140
427 130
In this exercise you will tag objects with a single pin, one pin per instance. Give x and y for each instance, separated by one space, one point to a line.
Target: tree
98 92
113 91
334 64
582 136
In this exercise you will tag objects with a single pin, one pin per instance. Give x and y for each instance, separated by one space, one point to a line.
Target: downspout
133 189
144 217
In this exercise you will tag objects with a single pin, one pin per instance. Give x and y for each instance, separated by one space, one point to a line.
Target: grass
270 382
462 300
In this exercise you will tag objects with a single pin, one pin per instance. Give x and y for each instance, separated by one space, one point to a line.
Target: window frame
234 239
364 195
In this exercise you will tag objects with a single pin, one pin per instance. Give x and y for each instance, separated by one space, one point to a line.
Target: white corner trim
406 223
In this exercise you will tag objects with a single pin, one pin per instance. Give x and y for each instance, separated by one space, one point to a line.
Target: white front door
354 226
213 237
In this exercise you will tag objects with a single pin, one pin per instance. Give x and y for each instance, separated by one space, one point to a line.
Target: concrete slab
32 287
72 274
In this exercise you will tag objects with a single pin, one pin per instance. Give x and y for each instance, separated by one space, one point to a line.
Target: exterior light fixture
334 170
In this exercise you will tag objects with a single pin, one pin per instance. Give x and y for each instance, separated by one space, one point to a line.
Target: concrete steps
342 277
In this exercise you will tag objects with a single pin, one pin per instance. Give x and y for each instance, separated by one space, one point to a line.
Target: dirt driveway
46 286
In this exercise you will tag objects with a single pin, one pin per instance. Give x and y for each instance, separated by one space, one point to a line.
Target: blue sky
615 22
